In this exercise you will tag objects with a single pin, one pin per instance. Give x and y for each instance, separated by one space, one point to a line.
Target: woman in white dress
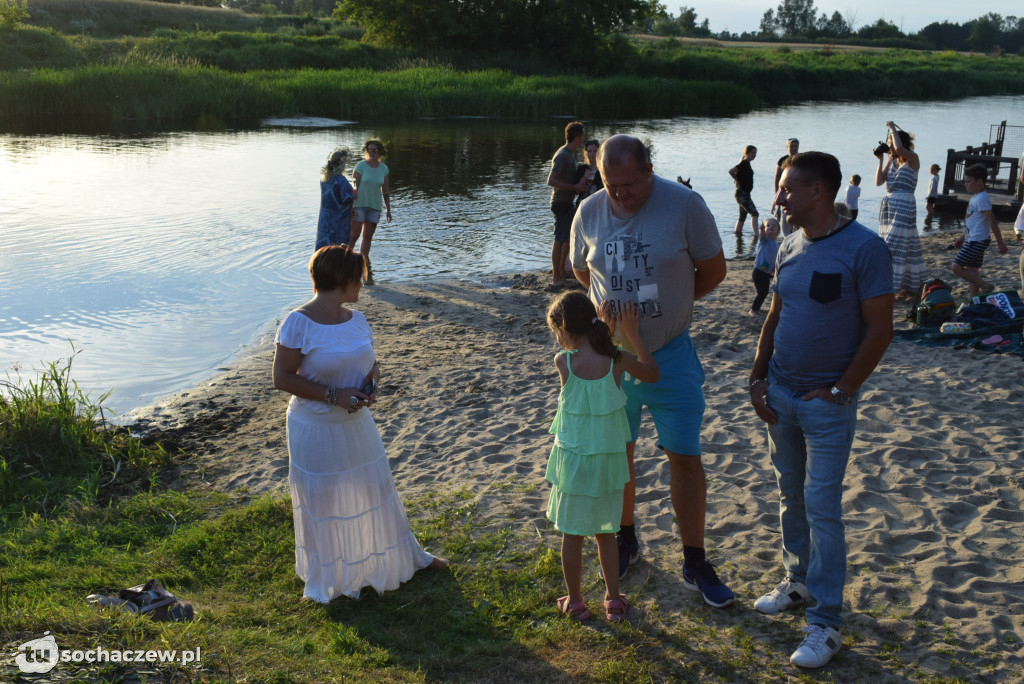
350 524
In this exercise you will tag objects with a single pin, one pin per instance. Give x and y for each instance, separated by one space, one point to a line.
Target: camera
883 148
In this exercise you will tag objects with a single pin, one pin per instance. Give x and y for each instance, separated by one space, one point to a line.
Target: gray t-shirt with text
648 258
822 283
564 166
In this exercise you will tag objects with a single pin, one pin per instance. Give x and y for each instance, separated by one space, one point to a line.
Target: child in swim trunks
981 222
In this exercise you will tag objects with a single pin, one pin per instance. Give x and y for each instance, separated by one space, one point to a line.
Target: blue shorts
676 401
362 214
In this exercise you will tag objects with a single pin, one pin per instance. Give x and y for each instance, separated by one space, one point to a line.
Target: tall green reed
56 443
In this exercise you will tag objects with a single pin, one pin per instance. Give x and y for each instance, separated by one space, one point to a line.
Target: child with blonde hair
588 468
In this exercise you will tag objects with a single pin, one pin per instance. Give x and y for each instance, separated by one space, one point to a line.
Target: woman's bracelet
755 383
331 395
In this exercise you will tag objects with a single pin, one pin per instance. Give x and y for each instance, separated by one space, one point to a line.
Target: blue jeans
809 448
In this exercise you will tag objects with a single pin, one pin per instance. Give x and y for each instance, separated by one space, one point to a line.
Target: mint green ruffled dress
588 468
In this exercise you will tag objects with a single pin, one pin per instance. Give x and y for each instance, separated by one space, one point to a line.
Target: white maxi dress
350 525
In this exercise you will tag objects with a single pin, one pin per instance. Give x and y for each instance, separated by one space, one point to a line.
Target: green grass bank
178 65
492 618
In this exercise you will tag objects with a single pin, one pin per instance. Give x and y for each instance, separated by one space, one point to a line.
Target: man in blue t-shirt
829 324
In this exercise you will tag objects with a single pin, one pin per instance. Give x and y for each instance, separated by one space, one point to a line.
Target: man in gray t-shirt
654 243
564 186
829 325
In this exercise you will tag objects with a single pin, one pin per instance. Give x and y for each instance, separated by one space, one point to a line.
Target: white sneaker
786 595
818 647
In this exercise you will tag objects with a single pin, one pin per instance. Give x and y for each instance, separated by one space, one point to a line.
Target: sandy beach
934 496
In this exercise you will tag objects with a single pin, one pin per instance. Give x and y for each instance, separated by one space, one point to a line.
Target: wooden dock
1004 206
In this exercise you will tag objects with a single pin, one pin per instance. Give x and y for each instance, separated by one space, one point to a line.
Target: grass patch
492 618
234 559
56 448
103 94
116 18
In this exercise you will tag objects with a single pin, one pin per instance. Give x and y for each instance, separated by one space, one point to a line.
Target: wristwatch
839 396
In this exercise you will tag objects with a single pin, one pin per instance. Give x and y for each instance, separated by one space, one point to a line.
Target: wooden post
949 176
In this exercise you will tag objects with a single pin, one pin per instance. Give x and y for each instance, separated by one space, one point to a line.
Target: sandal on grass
577 611
615 609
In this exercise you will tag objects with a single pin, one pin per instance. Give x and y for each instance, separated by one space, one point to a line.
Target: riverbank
932 493
189 79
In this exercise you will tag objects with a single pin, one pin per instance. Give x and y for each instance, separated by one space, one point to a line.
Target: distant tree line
580 30
800 19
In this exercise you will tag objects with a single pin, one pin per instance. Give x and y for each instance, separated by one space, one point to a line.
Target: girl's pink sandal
577 611
620 606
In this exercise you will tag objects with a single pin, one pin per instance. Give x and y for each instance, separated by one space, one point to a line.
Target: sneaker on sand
818 647
702 577
628 554
786 595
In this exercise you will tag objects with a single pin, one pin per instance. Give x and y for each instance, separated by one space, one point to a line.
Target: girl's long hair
335 164
574 313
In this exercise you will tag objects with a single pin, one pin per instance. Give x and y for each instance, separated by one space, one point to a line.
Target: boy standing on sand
975 240
933 192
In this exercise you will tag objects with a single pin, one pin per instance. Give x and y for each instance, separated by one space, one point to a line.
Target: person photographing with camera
897 217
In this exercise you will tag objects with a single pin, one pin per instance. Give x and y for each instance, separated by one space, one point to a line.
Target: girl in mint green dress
588 468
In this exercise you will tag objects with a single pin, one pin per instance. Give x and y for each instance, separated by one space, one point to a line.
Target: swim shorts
563 221
676 401
972 253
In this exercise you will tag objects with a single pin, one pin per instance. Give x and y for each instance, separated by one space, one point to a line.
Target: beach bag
982 315
1007 300
150 599
934 303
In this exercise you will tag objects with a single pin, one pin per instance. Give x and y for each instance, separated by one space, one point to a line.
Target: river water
161 256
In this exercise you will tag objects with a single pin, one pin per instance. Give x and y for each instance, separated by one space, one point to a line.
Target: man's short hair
573 131
977 171
620 150
819 166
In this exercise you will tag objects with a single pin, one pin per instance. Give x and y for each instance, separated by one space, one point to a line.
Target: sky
911 16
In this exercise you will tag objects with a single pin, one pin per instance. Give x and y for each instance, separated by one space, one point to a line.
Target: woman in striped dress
897 218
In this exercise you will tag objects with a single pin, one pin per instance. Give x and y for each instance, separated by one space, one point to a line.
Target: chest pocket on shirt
825 287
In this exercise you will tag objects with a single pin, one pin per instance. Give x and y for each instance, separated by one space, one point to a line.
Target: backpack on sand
933 304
